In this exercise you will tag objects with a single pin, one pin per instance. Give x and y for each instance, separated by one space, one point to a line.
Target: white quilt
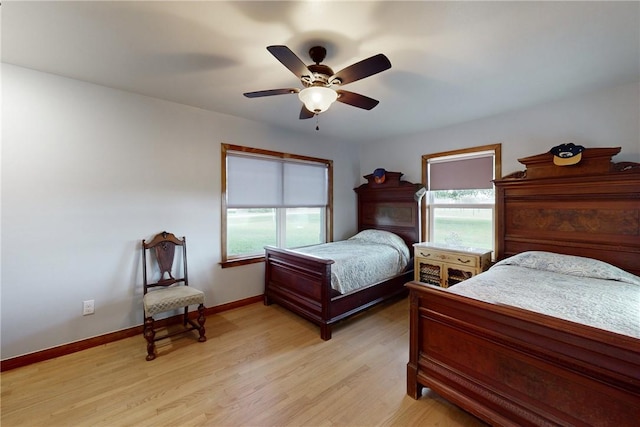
366 258
577 289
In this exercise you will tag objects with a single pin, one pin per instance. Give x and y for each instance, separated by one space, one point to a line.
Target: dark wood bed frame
513 367
302 283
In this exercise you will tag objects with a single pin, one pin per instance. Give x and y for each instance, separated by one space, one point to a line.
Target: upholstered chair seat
167 299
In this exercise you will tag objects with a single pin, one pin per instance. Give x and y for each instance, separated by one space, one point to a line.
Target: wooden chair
169 292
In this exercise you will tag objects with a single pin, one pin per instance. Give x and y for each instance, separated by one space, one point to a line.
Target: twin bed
550 335
327 283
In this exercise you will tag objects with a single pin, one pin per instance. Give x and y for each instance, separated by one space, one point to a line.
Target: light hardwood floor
261 366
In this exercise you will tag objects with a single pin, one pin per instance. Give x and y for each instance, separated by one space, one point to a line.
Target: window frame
426 207
230 261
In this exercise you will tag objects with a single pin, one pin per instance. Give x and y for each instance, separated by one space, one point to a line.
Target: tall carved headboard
590 209
390 206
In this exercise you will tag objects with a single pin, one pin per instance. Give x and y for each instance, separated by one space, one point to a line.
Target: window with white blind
272 198
460 203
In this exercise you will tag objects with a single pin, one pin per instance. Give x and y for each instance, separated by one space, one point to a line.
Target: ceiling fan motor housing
321 74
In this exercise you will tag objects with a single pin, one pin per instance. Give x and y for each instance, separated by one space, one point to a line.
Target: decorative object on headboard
379 176
593 161
567 154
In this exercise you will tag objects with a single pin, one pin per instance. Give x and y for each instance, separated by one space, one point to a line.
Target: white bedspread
366 258
577 289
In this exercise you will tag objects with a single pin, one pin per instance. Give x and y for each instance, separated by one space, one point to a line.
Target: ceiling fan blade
305 114
360 70
271 92
290 60
356 100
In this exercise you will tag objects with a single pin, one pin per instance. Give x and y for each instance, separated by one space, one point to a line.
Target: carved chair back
163 246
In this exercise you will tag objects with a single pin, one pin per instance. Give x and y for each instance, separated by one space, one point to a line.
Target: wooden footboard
302 284
513 367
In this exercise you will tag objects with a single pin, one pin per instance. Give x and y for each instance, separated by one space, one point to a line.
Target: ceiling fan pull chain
317 120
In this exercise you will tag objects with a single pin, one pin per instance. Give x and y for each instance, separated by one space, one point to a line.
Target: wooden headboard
590 209
392 206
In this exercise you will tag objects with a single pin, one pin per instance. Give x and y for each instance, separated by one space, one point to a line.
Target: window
272 198
460 203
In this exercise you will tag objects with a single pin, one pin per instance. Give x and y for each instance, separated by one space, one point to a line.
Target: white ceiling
451 61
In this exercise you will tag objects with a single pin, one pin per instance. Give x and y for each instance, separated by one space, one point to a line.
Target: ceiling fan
321 83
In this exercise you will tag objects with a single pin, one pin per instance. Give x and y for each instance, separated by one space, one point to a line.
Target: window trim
497 165
226 148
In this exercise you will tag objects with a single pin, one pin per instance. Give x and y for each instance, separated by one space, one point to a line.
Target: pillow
571 265
385 238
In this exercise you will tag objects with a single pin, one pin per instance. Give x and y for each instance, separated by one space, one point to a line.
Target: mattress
577 289
368 257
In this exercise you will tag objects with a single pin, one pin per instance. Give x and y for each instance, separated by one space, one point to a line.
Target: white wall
86 171
605 118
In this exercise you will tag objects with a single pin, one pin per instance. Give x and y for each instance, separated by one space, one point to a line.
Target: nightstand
444 265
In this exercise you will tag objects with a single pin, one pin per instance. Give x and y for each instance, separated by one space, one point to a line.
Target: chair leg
201 320
150 334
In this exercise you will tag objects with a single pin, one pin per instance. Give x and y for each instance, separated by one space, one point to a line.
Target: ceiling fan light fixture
317 99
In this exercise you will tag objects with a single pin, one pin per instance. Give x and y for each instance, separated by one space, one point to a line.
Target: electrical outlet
88 307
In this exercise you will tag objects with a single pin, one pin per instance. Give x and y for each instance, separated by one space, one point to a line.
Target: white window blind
304 185
461 173
260 182
253 182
